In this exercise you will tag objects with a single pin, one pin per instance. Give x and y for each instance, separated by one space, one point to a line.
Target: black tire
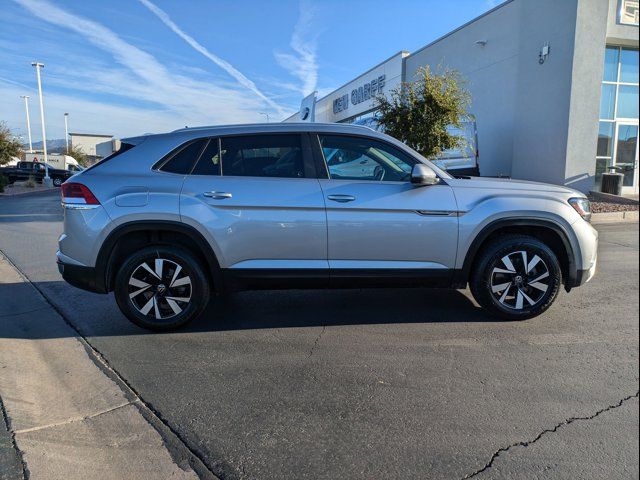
491 273
57 182
165 299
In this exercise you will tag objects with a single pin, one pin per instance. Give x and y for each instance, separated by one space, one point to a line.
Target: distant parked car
171 218
24 170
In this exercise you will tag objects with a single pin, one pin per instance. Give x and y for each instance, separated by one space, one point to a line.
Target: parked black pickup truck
24 170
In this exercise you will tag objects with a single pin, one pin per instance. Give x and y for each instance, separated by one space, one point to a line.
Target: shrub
418 113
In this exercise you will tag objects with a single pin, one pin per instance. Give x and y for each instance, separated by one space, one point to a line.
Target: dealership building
554 88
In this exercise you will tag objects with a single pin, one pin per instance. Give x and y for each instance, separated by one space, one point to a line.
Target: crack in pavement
7 423
619 244
76 419
315 343
564 423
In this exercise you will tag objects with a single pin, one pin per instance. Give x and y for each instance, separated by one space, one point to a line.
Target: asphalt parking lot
385 383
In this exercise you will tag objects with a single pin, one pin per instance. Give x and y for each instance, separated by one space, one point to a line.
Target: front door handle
217 195
341 198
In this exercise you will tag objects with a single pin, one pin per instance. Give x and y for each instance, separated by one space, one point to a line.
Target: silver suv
171 218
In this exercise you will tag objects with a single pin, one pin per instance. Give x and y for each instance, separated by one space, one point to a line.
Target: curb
608 197
612 217
101 421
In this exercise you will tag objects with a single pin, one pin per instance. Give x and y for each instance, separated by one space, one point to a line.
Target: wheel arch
148 232
548 231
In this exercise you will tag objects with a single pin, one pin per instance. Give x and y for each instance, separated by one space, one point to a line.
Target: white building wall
587 69
491 73
95 145
535 121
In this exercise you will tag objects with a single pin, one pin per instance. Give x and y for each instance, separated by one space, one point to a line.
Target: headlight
582 206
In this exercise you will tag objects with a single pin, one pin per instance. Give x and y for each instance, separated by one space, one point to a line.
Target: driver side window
360 158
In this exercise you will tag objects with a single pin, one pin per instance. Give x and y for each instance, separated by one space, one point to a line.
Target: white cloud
303 62
170 99
226 66
86 115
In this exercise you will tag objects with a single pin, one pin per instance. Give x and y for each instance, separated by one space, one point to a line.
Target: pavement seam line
75 419
564 423
124 384
315 343
24 313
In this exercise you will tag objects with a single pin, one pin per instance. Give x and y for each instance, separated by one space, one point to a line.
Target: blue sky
127 67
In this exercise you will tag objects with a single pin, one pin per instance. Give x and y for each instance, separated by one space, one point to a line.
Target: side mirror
421 174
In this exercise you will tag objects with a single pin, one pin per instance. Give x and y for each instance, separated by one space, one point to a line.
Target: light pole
66 131
47 179
266 115
26 109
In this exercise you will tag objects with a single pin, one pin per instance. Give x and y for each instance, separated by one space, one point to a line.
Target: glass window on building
628 12
618 130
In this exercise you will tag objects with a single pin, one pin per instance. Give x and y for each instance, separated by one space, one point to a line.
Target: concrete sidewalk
68 418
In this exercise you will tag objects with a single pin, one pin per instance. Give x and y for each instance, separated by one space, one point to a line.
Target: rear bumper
82 277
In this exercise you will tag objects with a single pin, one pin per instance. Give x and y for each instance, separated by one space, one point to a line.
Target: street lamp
266 115
47 179
26 109
66 131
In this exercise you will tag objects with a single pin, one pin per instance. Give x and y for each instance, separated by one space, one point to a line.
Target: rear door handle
341 198
217 195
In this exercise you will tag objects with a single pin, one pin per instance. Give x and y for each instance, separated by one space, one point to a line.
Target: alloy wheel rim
159 289
520 280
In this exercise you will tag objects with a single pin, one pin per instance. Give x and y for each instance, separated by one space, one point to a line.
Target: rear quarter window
182 159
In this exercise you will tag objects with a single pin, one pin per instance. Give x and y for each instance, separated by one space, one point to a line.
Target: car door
261 204
379 224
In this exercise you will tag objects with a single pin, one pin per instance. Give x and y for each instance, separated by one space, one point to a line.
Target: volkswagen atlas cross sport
170 219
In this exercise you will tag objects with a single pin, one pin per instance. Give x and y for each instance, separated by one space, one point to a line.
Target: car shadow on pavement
300 308
97 315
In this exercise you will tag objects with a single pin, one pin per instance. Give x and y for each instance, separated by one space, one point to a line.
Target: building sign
308 108
360 94
341 103
629 12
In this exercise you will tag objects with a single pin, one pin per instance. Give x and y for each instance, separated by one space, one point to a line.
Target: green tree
78 154
419 112
9 145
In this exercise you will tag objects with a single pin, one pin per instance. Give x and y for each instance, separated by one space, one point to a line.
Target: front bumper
82 277
583 276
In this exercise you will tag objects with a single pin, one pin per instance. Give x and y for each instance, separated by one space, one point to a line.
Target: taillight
77 194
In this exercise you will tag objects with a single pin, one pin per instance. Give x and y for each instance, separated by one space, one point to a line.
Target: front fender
493 214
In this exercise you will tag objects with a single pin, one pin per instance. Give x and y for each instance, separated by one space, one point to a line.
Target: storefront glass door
626 155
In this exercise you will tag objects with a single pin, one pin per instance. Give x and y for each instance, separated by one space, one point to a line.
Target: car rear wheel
161 288
516 278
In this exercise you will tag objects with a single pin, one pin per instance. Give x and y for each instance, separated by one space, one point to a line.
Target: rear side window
263 156
123 148
209 163
183 159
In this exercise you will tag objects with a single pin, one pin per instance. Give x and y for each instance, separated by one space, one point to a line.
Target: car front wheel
57 182
516 278
161 288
